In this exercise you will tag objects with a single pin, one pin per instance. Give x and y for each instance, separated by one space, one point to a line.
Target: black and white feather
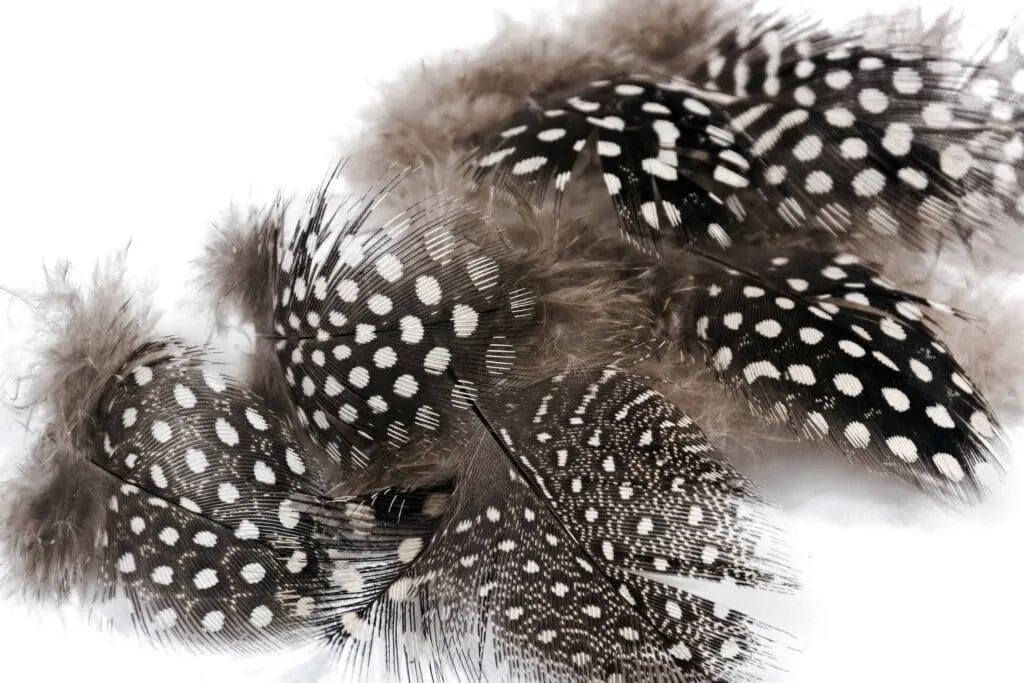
820 342
567 491
443 461
543 549
221 530
387 333
779 171
575 506
856 135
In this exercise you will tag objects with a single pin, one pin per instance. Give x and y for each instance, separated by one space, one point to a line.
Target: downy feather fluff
483 435
784 182
530 520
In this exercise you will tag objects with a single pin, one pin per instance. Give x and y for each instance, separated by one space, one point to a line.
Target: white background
125 121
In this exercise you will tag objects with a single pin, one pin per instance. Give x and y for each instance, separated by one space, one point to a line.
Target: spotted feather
221 534
870 130
665 153
843 134
570 509
821 342
384 333
607 490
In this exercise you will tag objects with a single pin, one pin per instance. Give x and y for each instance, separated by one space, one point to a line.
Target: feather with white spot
788 128
822 343
174 504
575 507
386 334
221 530
441 505
788 148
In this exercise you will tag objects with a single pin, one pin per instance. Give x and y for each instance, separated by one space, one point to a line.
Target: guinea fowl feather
507 355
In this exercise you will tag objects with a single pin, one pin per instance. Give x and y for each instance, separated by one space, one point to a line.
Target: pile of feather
489 426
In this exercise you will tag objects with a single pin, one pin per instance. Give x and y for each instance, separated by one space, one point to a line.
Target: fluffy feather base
55 509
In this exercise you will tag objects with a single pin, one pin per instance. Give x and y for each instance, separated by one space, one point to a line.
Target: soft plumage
485 435
867 180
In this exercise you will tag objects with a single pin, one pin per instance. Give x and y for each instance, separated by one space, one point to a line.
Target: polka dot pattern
610 481
838 134
897 141
218 520
403 324
836 351
221 530
655 187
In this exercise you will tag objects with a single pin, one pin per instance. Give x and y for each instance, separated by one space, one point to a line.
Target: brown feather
55 508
